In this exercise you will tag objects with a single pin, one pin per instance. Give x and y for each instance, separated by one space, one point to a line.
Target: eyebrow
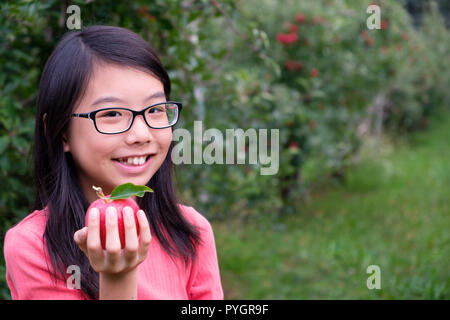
102 100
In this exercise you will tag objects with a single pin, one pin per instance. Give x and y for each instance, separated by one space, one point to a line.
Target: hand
114 260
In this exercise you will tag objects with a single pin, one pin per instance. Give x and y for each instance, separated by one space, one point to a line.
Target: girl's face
97 155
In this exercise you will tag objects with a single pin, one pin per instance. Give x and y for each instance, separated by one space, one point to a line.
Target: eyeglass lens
117 120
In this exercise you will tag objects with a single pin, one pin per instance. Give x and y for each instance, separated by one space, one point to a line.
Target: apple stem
100 194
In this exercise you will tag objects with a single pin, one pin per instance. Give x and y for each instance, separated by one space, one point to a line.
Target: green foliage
327 88
384 215
339 70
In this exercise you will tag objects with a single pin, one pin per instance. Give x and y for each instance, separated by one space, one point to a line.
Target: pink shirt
159 277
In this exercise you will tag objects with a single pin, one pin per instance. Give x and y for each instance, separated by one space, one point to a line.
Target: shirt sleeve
205 281
27 270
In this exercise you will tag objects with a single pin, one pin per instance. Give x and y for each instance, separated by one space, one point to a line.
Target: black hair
62 84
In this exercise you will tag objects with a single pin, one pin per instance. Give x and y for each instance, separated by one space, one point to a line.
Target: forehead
120 84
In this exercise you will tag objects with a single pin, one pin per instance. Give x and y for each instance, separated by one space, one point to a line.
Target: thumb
80 237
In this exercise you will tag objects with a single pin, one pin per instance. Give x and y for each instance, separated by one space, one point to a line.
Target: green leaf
128 190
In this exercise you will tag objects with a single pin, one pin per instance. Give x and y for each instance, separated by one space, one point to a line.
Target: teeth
137 161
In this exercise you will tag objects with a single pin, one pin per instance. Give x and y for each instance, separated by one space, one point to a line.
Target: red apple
120 200
101 205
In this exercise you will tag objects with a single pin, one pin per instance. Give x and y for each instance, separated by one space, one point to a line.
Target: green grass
393 211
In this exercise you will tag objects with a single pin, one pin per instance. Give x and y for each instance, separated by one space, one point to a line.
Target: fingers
113 259
113 247
93 243
80 238
131 239
145 234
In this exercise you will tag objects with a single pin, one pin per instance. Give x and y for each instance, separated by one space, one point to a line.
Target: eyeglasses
117 120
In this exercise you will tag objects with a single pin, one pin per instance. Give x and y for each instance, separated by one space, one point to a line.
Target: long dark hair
63 82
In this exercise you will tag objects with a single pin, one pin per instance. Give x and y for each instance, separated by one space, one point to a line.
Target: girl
102 95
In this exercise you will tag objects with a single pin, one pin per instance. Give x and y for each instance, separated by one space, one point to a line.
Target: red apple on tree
119 199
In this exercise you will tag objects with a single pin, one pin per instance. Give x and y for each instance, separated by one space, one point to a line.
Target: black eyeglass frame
91 115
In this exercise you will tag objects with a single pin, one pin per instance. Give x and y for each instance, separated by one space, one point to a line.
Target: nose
139 132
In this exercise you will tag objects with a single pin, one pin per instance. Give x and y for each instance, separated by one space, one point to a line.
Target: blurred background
364 118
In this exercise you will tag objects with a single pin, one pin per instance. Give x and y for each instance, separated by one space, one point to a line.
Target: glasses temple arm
80 115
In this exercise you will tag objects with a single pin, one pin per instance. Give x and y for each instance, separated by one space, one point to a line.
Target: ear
66 144
64 136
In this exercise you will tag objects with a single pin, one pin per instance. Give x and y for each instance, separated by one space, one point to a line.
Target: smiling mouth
133 161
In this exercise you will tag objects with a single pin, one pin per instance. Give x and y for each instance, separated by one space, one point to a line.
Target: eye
109 114
156 109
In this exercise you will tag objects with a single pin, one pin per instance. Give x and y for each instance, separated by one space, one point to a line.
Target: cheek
165 138
88 147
